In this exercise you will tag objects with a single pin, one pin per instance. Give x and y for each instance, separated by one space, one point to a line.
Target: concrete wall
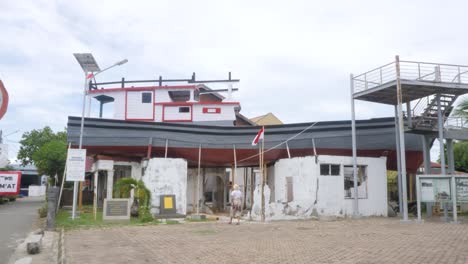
167 176
316 195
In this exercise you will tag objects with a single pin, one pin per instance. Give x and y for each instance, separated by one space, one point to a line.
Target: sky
293 58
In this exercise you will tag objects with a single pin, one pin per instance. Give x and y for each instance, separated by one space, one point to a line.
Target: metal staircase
425 111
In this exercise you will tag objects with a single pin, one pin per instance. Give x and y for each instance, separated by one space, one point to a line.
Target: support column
401 127
397 138
110 184
353 134
410 115
165 150
287 148
450 157
426 154
451 171
198 180
440 122
95 193
234 170
100 109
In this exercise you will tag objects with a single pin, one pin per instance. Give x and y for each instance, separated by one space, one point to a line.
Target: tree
462 109
460 153
50 158
35 139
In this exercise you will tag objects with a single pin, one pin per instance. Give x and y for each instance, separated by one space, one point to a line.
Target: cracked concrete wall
315 195
167 176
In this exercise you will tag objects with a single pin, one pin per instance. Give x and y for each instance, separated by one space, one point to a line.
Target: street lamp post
89 66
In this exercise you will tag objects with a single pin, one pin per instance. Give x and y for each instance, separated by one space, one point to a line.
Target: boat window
146 98
184 109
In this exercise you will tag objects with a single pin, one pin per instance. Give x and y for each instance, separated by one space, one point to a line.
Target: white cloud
293 58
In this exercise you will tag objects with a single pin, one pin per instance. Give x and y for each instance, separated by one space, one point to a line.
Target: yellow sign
168 204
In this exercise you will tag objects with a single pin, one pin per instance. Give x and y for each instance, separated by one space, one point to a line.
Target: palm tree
462 109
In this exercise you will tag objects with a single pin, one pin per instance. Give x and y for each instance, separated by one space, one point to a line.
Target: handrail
390 63
411 70
458 75
435 63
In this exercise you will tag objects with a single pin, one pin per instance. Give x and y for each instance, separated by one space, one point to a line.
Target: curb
61 247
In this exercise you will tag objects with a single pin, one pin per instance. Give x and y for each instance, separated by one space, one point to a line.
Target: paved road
16 221
364 241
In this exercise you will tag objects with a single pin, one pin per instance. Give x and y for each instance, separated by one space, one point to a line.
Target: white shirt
236 194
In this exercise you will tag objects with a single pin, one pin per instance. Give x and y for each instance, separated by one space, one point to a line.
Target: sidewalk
373 240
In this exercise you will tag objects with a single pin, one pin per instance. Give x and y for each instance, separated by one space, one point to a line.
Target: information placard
10 182
116 209
435 190
76 164
462 189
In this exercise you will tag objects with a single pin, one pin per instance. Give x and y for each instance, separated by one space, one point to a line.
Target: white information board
10 182
435 189
76 164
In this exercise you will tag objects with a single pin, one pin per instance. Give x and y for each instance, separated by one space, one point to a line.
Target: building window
330 169
146 98
184 109
361 182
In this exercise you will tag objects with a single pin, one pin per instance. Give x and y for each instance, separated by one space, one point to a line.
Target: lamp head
121 62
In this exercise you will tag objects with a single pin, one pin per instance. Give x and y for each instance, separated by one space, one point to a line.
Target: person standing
236 204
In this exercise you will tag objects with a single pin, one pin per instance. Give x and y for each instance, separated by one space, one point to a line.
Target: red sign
10 182
3 100
211 110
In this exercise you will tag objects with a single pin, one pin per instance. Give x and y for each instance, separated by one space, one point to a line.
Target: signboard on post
76 164
462 190
435 190
10 182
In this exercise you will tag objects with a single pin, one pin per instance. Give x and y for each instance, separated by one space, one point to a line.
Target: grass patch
172 222
86 220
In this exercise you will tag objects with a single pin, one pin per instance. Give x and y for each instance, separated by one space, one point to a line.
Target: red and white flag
258 136
90 76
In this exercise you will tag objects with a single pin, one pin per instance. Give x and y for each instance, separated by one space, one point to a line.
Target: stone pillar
52 197
110 184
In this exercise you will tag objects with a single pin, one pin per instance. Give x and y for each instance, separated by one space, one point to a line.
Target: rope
278 145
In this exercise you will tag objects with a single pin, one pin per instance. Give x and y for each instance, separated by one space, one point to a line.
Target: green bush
144 215
12 198
2 201
122 189
43 211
